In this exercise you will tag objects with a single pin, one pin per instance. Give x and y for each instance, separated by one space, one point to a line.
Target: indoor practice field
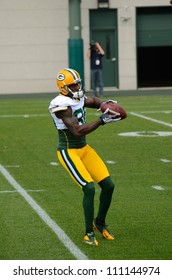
41 207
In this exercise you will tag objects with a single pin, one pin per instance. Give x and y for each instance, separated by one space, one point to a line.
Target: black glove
106 118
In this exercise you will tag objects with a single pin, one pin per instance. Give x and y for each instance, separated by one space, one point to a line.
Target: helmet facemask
77 93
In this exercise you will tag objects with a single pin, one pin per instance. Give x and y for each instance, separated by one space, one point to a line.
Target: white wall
33 45
33 42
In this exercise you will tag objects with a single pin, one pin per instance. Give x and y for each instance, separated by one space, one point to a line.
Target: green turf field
141 166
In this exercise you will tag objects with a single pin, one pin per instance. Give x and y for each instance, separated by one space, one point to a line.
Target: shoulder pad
58 109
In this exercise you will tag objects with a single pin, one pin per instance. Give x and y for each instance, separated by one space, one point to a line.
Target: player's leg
71 161
88 206
107 188
100 174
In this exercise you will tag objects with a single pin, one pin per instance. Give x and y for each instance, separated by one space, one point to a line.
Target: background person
95 54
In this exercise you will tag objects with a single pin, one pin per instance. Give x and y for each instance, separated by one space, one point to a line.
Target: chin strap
78 94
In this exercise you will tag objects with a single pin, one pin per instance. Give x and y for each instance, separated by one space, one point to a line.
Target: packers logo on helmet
60 77
67 77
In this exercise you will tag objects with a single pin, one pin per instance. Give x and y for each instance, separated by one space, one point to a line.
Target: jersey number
80 115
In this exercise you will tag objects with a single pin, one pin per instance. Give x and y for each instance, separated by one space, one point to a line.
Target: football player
76 156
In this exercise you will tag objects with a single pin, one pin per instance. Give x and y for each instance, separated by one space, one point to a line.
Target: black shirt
96 60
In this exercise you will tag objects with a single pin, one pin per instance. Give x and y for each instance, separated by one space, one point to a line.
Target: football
114 108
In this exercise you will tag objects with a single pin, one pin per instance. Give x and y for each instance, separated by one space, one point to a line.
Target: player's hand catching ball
108 118
113 109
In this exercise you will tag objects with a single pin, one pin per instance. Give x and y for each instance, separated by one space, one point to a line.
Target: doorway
105 32
152 66
154 46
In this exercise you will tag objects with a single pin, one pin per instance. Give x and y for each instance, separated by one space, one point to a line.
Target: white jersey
77 106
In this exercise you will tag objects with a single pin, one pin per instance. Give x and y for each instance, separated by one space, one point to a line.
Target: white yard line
153 112
150 119
15 191
24 116
67 242
159 188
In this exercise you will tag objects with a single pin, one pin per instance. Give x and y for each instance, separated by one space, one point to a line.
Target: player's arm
93 102
72 123
106 117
